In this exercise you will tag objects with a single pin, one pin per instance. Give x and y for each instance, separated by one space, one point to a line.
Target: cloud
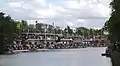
75 13
14 4
46 12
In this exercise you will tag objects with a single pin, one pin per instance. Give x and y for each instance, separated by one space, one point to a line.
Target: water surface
64 57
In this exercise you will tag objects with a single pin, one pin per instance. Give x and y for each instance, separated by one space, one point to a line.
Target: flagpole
67 31
83 33
61 32
54 30
45 33
93 33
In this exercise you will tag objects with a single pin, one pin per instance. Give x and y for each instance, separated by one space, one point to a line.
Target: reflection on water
66 57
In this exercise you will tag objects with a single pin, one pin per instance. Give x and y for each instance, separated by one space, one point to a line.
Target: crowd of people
52 45
77 42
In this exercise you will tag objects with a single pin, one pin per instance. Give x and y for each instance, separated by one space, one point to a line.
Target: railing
49 39
42 34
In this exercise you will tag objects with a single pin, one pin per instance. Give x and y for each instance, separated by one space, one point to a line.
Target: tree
78 31
31 26
50 28
24 24
57 30
113 24
95 32
65 32
39 27
92 32
7 28
69 30
82 31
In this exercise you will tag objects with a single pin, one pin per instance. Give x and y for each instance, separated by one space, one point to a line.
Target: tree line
7 30
112 25
67 31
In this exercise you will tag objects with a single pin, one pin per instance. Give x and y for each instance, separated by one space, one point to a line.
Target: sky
75 13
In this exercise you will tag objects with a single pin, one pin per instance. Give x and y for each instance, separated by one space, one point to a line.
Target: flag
18 26
53 23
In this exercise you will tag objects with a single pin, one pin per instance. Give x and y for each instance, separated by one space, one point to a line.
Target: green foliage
113 24
69 30
50 28
7 28
82 31
24 24
31 26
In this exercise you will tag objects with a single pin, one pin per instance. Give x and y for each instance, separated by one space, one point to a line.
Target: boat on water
107 52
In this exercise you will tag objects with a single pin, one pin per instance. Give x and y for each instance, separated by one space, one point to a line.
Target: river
64 57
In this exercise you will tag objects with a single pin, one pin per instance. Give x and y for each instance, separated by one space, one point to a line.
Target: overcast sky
87 13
